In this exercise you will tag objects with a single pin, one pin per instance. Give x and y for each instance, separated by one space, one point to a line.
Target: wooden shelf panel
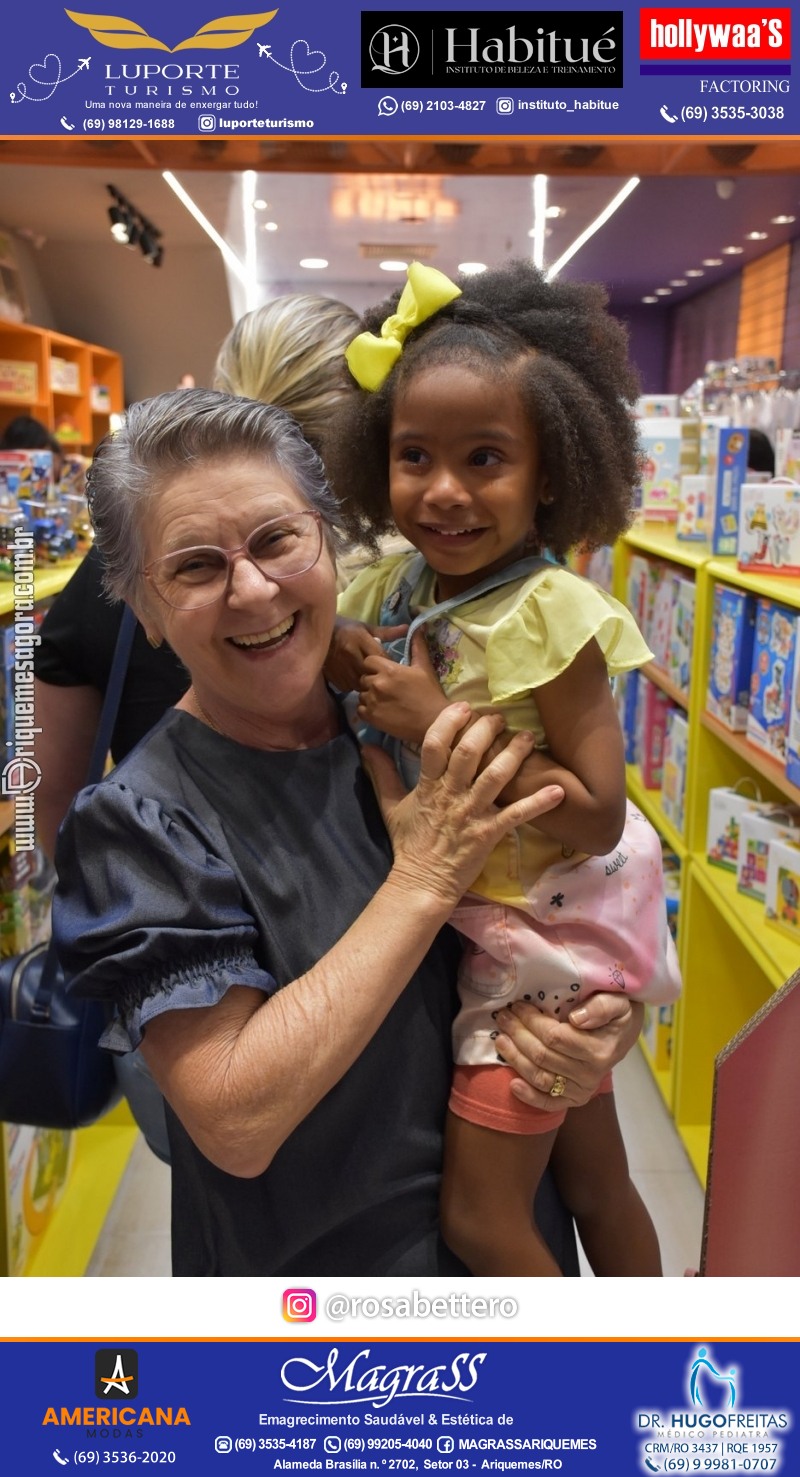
771 769
662 679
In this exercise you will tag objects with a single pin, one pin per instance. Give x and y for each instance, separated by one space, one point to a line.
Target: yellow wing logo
126 35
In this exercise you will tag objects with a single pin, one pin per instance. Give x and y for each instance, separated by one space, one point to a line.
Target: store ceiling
343 212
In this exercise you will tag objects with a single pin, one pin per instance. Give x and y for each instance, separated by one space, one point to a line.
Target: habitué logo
492 48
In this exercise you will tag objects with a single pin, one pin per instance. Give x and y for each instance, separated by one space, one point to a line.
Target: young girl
494 422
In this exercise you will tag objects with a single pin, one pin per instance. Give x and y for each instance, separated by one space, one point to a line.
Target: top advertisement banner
309 68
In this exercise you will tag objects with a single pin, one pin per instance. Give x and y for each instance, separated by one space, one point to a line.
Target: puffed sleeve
543 634
364 596
145 915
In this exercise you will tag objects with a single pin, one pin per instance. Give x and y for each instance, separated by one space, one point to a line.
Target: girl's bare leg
489 1183
590 1168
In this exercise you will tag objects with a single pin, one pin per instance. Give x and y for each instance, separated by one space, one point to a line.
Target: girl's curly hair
565 356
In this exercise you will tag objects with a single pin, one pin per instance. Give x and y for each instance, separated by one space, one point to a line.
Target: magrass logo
116 1374
492 48
127 35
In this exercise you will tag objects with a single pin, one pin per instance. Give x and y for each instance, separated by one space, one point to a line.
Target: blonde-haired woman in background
290 353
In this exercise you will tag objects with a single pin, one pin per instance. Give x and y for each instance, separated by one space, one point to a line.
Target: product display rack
51 403
731 959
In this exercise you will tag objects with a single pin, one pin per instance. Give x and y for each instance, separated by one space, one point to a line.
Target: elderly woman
231 887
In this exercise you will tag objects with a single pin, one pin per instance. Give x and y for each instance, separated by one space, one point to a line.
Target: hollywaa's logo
361 1383
125 35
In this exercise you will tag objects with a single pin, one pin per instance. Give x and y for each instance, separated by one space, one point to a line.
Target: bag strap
113 697
519 570
40 1005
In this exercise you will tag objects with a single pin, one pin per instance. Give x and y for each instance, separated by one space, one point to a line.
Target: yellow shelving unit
731 959
49 401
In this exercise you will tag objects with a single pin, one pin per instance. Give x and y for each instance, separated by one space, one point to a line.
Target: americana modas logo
126 35
116 1374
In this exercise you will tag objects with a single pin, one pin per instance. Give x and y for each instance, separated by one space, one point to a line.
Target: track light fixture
130 228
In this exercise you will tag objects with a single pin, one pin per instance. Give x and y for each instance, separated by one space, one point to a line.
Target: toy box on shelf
782 907
769 528
727 807
19 380
670 449
793 729
771 677
759 829
26 474
681 631
728 477
732 632
652 706
694 508
673 773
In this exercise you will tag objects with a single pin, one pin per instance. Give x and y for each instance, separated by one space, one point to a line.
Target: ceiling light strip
595 225
539 218
229 257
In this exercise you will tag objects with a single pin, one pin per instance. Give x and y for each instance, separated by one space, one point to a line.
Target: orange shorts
483 1095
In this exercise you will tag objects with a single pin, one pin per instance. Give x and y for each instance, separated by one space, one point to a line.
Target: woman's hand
581 1050
402 701
445 829
351 643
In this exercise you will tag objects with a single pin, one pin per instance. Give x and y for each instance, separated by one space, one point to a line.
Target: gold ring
559 1086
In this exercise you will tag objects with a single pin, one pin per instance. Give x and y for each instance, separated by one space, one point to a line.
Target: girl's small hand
351 643
401 701
582 1052
445 829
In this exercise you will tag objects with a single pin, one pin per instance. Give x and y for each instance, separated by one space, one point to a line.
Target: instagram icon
299 1305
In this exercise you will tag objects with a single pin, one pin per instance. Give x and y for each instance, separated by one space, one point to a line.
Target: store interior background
445 202
355 205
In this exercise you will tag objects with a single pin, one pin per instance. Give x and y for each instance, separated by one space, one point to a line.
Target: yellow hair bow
371 356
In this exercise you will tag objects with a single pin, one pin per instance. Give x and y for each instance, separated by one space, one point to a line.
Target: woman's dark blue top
200 864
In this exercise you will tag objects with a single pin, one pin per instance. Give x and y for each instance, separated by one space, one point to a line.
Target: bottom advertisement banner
384 1407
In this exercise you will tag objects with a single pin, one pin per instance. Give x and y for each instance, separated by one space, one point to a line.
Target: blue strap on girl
396 611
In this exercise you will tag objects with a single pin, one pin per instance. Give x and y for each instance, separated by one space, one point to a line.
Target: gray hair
163 437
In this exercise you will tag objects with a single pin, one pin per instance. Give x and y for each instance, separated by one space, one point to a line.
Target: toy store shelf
785 589
754 757
47 582
661 679
649 801
775 953
660 539
662 1076
696 1139
101 1156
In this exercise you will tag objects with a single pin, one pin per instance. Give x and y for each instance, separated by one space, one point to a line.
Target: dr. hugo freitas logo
712 1417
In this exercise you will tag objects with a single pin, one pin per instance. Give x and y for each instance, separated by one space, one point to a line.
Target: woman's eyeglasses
188 579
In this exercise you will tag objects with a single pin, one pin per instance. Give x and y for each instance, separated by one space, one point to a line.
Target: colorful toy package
782 904
652 706
673 775
771 677
33 471
769 528
727 806
759 828
793 729
681 630
732 633
626 687
661 442
729 475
